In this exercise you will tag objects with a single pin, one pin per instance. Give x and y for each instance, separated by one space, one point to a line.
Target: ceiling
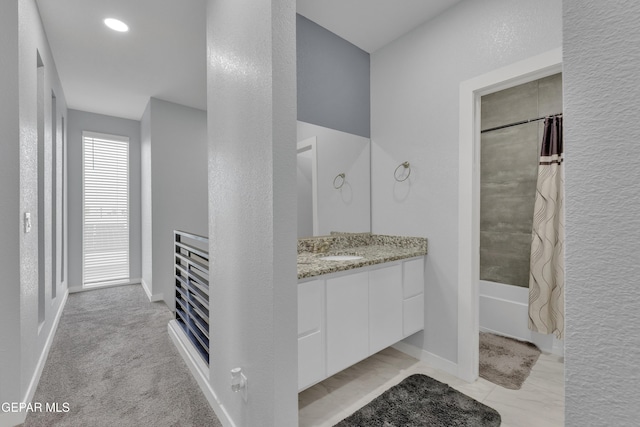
102 71
163 54
371 24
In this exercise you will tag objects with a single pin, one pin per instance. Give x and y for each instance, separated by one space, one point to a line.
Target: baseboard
181 342
17 418
433 360
76 289
152 298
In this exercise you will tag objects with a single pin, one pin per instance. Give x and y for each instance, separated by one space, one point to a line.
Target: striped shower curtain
546 280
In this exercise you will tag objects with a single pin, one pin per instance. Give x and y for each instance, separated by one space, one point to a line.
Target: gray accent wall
333 80
509 173
79 121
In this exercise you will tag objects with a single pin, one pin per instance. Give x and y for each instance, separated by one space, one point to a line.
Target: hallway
113 363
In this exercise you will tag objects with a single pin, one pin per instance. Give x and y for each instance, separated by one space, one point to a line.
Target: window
105 208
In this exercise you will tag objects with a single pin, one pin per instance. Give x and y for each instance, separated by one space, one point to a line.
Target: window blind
105 208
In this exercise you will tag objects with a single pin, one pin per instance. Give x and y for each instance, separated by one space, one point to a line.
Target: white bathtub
504 311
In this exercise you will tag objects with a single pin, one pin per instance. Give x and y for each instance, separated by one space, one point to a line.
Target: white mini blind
105 208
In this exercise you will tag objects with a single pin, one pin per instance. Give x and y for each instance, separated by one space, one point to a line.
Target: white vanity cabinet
311 363
345 317
413 296
347 321
385 307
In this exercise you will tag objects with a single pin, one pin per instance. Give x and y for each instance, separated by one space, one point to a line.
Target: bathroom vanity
362 294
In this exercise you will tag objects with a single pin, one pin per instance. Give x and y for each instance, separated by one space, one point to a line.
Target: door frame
471 91
311 144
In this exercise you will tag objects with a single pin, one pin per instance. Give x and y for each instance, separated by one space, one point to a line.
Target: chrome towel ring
340 179
406 166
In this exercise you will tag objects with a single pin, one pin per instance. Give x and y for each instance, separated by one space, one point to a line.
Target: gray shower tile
504 210
504 257
510 154
550 95
509 105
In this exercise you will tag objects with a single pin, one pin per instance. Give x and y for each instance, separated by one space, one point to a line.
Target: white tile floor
539 403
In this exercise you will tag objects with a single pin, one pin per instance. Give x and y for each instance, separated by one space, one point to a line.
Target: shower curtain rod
520 123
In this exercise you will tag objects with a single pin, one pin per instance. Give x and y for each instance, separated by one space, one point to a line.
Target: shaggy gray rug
506 361
113 363
420 401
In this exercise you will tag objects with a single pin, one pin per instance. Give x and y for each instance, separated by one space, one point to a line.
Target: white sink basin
341 258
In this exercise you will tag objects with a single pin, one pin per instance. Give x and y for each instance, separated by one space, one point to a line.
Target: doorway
471 91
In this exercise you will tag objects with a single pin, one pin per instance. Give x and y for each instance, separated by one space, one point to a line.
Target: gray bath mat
506 361
420 401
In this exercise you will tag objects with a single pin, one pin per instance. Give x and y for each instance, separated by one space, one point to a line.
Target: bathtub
504 311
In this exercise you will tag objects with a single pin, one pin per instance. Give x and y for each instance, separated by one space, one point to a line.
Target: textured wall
22 337
79 121
252 206
415 89
10 208
602 133
31 39
509 174
333 80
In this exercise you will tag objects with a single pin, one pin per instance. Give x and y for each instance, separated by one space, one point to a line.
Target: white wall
251 84
602 105
78 122
174 147
415 102
305 184
23 341
145 200
347 209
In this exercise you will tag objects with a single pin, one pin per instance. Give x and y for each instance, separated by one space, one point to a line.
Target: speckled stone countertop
373 248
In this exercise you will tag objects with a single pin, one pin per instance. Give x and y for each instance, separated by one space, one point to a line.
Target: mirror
334 181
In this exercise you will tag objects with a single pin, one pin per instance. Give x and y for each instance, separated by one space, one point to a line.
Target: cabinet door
347 321
385 307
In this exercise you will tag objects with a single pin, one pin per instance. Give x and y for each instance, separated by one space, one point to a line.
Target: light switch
27 222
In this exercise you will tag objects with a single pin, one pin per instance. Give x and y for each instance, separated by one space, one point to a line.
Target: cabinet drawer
310 360
413 278
413 315
310 306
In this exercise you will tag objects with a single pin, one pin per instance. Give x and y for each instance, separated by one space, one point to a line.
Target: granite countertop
374 249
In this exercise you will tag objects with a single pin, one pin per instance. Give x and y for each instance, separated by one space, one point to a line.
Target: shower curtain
546 279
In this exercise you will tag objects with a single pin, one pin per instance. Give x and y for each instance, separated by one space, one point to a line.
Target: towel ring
341 183
406 165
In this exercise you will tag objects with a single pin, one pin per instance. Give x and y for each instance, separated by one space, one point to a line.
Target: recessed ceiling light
116 25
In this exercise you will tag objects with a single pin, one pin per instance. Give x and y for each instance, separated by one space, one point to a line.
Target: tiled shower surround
509 171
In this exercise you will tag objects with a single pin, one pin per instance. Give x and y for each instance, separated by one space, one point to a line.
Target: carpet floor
420 401
506 362
112 363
